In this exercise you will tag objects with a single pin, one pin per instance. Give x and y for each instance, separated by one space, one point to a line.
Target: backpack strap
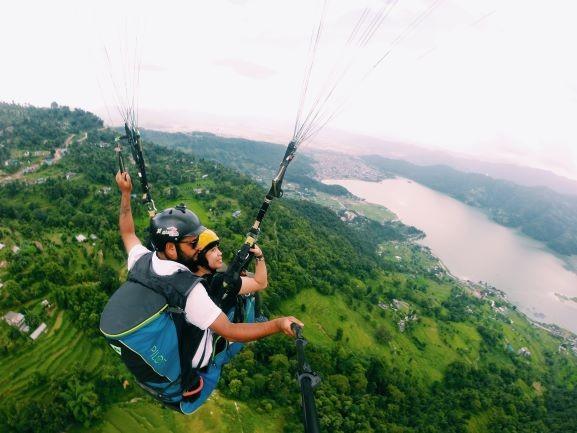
175 287
187 333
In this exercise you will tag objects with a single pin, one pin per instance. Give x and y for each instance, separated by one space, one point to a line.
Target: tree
82 401
383 335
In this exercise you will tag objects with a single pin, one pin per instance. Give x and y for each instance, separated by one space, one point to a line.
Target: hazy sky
497 79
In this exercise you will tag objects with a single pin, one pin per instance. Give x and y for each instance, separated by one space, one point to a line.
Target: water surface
475 248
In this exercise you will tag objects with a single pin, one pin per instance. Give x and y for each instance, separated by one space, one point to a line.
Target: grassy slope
323 317
443 344
218 415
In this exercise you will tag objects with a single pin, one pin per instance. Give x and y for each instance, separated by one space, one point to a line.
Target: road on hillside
58 153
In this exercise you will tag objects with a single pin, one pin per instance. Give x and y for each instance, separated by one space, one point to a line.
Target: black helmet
172 224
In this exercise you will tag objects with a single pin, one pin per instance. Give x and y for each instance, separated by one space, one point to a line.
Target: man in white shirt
174 234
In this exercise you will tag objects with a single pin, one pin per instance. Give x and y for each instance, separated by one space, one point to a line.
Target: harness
144 323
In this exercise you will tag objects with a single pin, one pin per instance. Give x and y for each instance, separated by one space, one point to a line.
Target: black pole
133 138
242 257
308 379
118 150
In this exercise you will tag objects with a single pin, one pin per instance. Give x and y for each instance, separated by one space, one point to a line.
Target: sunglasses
192 243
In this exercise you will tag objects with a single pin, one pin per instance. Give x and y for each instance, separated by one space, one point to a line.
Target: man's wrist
278 324
259 258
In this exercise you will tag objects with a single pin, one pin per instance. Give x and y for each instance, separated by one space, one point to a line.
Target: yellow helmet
206 238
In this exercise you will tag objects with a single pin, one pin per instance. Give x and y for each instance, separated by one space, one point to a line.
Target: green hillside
401 346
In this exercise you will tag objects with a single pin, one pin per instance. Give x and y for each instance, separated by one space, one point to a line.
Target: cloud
245 68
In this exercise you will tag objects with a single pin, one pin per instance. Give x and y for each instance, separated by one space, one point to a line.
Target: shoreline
551 328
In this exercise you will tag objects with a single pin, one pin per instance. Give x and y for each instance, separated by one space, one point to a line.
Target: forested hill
42 131
538 212
257 158
401 346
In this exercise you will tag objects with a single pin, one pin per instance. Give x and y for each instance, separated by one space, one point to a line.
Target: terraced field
63 346
55 351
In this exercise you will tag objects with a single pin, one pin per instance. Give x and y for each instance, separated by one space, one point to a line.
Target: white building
348 216
523 351
38 331
14 319
17 320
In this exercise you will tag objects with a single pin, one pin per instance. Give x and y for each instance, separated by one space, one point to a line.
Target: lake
475 248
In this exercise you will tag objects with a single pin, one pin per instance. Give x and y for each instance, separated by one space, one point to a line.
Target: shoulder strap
175 288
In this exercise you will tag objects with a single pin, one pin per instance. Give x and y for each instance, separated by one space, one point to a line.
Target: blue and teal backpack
144 323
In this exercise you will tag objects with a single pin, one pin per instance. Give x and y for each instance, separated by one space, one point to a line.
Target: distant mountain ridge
527 176
357 144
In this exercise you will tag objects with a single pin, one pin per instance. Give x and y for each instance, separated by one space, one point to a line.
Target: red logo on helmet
171 231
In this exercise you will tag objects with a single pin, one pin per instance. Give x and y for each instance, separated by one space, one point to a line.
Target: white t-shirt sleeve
199 309
135 253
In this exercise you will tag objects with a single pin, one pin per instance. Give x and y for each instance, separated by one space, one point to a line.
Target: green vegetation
339 204
401 346
538 212
218 415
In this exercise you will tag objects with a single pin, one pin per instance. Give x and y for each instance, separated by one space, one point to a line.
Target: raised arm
125 221
244 332
260 279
